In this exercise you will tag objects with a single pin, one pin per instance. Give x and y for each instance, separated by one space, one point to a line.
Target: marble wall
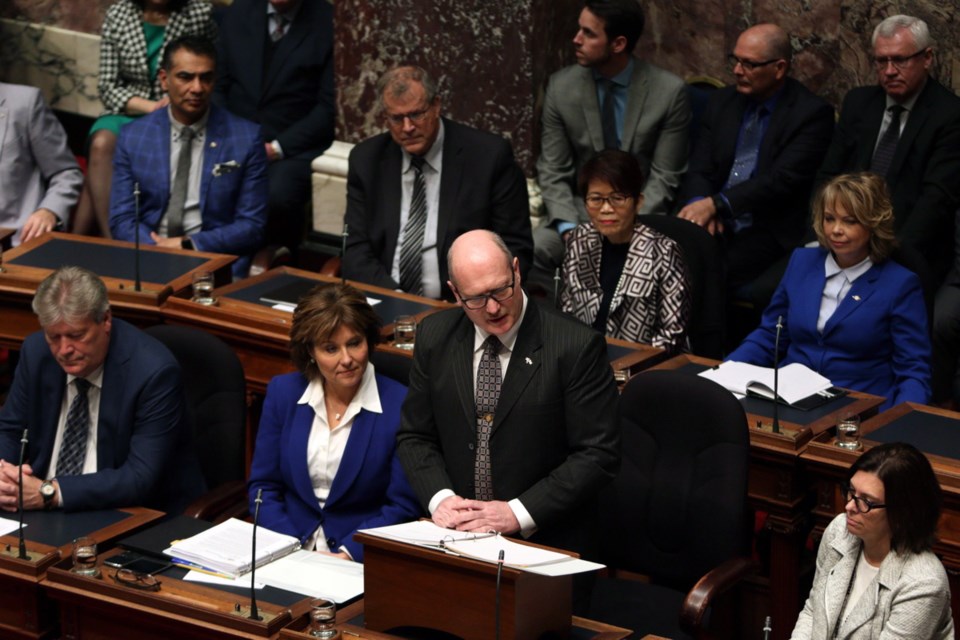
493 58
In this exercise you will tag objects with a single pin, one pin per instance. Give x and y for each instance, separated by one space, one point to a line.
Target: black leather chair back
215 390
706 278
677 508
393 365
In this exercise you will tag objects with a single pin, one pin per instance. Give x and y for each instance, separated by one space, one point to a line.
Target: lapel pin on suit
857 298
528 360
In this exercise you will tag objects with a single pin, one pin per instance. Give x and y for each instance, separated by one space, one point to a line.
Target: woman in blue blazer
325 456
850 313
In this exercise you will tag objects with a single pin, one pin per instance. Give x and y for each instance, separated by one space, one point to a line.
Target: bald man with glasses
751 172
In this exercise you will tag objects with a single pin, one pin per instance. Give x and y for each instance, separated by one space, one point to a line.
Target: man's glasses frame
898 62
136 580
749 65
500 295
415 117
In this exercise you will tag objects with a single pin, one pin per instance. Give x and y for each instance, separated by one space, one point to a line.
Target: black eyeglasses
501 295
863 505
898 62
415 117
136 580
749 65
617 200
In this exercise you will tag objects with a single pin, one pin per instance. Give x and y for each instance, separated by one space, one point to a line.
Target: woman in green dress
134 35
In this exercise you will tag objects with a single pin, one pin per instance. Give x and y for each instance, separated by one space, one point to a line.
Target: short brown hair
865 197
320 313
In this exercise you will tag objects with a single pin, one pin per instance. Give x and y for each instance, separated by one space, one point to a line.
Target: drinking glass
404 332
203 288
323 618
85 556
848 431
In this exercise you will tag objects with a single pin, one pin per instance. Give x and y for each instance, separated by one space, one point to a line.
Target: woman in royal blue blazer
325 456
850 313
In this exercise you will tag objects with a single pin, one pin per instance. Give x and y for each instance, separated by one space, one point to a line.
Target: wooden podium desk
934 431
26 611
350 623
260 334
163 273
100 607
777 484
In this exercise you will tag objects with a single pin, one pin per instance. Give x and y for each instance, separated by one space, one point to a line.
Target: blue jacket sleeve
911 340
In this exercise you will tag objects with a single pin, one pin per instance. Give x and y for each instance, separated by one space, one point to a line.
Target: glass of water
323 618
85 556
404 332
848 431
203 288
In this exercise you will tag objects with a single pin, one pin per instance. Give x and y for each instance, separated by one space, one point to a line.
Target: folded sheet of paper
9 526
796 381
290 308
314 574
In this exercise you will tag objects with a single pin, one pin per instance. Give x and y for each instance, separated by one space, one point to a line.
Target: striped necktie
411 251
73 447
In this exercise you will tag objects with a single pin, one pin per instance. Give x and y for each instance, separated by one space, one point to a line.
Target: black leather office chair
677 510
216 400
395 366
705 274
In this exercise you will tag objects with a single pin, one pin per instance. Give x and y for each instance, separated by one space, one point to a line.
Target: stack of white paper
796 382
226 548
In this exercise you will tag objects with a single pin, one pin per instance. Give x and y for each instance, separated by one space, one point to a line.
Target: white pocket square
223 168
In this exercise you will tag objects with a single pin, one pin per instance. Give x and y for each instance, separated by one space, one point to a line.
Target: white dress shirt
192 219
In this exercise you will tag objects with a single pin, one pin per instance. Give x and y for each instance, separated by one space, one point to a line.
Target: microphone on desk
343 251
776 376
767 629
253 567
23 555
497 604
136 236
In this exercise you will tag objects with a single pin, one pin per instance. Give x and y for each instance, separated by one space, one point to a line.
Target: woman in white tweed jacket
876 576
134 35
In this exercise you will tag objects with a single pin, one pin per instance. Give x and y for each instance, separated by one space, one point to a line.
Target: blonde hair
865 197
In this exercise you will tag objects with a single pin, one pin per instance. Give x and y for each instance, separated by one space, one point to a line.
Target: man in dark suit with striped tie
412 190
103 407
510 420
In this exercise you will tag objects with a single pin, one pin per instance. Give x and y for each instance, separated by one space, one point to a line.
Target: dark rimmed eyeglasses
898 62
414 116
616 200
500 295
749 65
863 505
136 580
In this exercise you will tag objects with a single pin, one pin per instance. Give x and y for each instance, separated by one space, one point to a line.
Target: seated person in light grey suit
876 575
39 177
648 115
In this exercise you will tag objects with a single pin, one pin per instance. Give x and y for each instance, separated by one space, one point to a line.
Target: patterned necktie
488 392
280 24
748 148
608 117
883 154
73 447
411 252
178 196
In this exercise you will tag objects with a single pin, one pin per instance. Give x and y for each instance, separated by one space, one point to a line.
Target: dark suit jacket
233 204
292 100
370 488
924 175
481 187
876 341
555 440
778 195
144 457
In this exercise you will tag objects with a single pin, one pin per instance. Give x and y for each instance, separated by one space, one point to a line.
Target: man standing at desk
201 171
103 405
528 455
413 190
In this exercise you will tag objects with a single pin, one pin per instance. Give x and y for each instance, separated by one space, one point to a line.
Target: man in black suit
413 190
923 172
532 460
276 69
760 143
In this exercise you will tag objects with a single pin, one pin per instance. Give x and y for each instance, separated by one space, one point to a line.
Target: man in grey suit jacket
649 114
39 177
553 441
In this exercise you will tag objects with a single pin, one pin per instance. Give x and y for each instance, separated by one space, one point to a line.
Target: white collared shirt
192 217
432 166
837 286
93 408
326 444
888 117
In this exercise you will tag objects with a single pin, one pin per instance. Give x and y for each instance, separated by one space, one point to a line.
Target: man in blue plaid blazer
219 204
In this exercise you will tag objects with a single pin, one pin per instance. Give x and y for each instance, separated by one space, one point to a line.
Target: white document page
314 574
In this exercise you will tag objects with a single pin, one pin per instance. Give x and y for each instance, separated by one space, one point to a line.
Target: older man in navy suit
103 406
276 69
201 171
